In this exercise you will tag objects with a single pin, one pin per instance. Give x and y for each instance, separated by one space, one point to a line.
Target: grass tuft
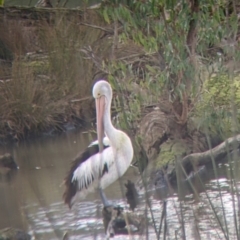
45 80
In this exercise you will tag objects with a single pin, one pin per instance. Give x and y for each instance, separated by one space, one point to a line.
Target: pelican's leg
104 199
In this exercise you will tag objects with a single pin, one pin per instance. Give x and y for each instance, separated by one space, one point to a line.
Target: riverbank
45 82
164 95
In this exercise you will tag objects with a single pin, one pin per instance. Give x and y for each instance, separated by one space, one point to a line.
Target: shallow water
31 198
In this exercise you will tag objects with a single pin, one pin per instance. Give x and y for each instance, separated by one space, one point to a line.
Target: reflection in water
31 198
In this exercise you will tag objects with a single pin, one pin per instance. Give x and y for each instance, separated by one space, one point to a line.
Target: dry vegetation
45 81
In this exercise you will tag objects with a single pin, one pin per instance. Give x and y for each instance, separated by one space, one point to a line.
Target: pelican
105 160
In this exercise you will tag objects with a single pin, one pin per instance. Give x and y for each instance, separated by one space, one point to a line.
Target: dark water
31 198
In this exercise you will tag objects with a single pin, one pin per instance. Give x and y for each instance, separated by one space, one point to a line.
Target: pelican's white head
102 92
102 88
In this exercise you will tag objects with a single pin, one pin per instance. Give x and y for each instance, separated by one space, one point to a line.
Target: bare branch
98 27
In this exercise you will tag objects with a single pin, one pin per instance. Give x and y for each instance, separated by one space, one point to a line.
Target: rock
13 234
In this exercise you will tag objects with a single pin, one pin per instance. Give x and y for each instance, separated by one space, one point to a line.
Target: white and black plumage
106 159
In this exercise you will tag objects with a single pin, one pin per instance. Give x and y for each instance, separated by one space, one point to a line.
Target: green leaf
105 15
150 69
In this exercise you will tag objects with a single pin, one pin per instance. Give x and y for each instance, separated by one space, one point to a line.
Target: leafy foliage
217 111
184 36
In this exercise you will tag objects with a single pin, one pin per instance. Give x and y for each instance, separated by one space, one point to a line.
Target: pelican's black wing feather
72 186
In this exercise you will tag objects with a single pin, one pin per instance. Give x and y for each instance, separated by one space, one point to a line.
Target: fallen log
195 160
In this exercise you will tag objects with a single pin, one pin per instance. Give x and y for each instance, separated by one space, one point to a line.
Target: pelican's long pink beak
100 106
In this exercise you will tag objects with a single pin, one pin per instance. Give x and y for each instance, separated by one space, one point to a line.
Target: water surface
31 198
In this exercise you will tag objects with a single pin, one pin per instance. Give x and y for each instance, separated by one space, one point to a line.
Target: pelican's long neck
110 130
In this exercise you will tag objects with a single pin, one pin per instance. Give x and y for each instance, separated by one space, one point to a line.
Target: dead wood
194 160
